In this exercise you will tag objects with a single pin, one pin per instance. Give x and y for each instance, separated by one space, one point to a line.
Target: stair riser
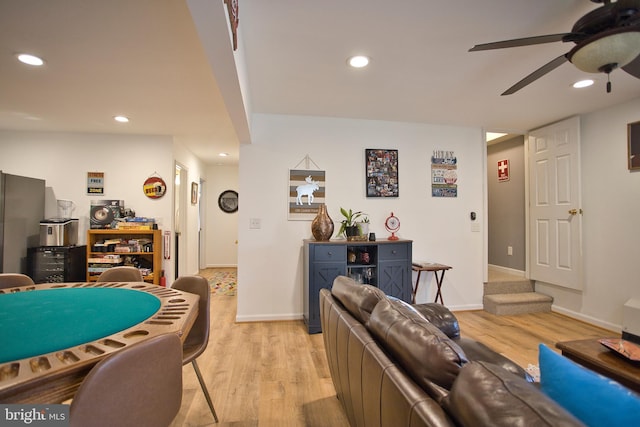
514 287
512 309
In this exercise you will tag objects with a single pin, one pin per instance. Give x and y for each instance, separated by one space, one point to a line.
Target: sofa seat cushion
478 352
358 299
425 352
487 395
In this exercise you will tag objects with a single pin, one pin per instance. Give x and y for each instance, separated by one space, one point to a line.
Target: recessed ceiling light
121 119
358 61
25 58
583 83
223 154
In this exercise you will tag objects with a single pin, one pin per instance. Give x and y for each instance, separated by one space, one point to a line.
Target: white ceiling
146 59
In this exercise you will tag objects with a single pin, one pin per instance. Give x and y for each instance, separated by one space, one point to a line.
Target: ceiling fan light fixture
607 50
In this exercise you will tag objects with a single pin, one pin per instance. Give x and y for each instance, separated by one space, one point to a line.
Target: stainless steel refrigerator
21 210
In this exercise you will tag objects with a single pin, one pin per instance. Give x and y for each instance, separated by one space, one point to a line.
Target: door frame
181 193
485 169
202 232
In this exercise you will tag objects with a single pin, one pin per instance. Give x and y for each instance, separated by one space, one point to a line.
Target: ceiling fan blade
633 67
525 41
550 66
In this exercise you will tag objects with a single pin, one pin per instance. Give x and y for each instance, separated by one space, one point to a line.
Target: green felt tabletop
43 321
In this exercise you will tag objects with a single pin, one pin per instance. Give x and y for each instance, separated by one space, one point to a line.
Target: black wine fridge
57 264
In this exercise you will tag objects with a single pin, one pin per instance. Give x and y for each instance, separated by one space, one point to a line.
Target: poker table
51 335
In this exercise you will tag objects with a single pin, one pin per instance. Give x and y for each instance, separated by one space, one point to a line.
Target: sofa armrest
440 317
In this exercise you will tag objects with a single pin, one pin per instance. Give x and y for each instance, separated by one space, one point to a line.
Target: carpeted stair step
508 287
517 303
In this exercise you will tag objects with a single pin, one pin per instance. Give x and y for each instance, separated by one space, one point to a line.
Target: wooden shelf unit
154 256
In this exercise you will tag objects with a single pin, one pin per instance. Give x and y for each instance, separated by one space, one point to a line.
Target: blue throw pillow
592 398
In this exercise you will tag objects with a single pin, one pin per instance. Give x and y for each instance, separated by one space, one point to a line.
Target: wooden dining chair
121 273
196 342
137 386
13 280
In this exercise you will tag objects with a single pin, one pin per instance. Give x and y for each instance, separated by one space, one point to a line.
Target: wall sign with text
503 170
95 183
154 187
444 174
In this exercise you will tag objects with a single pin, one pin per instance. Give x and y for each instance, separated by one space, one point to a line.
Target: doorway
506 204
534 213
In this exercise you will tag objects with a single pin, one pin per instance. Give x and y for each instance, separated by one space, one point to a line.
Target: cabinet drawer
392 252
324 253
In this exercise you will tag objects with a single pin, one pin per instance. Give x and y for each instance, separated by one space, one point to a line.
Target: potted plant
348 225
364 226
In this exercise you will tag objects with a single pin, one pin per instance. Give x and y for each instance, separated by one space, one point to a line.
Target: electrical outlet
254 223
509 250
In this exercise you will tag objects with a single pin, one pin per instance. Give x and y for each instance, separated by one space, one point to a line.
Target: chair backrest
12 280
121 273
198 338
140 385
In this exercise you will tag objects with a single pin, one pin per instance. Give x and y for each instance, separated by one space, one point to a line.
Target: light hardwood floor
260 374
517 337
275 374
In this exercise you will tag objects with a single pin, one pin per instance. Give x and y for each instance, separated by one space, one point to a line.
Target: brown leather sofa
395 364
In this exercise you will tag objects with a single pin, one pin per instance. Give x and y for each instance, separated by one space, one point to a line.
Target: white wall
63 160
270 267
611 204
221 227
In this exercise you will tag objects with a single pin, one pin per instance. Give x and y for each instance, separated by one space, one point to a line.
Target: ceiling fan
606 38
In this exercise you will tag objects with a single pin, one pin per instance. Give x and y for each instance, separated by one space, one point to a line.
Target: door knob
575 211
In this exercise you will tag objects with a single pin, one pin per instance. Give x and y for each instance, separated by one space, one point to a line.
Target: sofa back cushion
425 352
485 395
441 317
358 299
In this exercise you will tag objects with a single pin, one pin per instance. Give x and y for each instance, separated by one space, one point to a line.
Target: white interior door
555 241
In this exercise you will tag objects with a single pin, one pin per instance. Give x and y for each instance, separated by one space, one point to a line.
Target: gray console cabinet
385 264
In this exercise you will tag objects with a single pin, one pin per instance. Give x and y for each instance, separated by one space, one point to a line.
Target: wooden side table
428 266
595 356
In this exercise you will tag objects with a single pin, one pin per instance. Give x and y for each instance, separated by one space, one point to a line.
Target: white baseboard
507 270
466 307
588 319
268 317
222 266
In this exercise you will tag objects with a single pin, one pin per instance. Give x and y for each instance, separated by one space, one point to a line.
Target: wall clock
228 201
392 224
